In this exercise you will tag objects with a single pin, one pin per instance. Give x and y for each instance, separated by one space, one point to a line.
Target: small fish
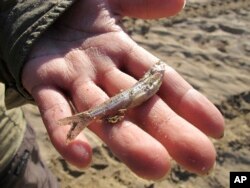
114 108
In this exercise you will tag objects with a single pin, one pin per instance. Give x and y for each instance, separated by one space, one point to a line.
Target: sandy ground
209 45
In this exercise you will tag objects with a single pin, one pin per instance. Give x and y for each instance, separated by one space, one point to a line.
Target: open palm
85 57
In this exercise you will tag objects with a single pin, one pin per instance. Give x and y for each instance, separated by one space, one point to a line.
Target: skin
84 57
113 110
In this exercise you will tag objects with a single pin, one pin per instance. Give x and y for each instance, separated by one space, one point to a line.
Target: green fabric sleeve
22 22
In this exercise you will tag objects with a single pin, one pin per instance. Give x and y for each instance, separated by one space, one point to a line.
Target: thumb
147 9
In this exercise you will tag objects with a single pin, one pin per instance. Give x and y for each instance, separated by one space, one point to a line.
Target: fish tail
78 122
75 130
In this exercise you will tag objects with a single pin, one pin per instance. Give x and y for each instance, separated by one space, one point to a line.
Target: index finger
53 106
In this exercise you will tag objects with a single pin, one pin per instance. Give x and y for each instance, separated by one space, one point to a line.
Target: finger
144 155
138 150
148 9
192 105
53 106
179 95
185 143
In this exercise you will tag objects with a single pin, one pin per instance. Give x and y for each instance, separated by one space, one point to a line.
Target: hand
86 57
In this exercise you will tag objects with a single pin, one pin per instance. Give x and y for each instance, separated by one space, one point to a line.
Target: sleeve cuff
24 24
